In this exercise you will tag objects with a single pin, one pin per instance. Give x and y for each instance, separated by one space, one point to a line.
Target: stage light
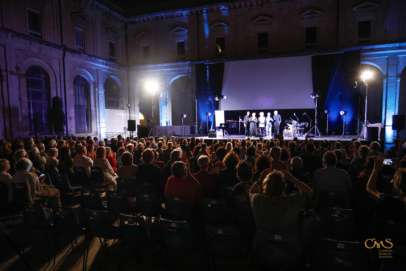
366 75
224 97
342 112
314 95
151 86
183 116
208 114
326 111
219 97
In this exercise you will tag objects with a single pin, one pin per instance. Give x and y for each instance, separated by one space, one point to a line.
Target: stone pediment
366 10
179 32
219 27
311 16
262 20
113 33
80 19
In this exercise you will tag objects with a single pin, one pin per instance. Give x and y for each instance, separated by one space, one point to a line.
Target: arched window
38 96
111 94
81 91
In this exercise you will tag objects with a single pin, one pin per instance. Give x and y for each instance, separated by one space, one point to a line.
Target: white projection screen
275 83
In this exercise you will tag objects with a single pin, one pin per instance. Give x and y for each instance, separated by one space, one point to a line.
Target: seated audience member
138 154
65 162
37 160
90 152
358 162
241 190
262 163
5 177
35 186
228 176
243 149
219 164
120 152
276 162
250 156
273 210
128 170
183 183
81 160
390 206
167 152
157 162
311 161
149 174
331 179
101 162
176 155
111 157
374 149
206 179
296 165
52 159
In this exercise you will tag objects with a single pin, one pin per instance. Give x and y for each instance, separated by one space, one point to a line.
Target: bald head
296 163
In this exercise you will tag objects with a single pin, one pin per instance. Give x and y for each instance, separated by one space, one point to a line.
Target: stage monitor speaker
398 122
131 125
372 134
280 137
212 133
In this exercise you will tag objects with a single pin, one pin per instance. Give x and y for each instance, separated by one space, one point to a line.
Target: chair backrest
97 175
117 203
337 255
48 180
244 214
35 216
100 224
216 212
331 199
277 250
146 186
4 196
20 191
64 183
80 174
66 219
134 229
177 235
178 207
223 242
90 199
126 187
149 204
337 223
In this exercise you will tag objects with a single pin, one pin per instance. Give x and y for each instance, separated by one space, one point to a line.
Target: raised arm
371 185
301 186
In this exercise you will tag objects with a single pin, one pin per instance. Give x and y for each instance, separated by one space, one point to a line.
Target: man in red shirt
182 183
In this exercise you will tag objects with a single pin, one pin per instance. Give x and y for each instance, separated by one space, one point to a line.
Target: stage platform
226 137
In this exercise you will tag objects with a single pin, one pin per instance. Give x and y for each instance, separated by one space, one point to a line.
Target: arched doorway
38 97
402 101
182 100
81 92
375 95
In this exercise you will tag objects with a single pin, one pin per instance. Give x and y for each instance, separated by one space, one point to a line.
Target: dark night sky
138 7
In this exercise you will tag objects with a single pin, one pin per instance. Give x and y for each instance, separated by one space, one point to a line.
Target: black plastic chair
97 177
277 250
90 199
66 188
81 176
20 192
178 208
331 199
126 187
216 212
334 255
337 223
117 203
149 205
48 180
100 224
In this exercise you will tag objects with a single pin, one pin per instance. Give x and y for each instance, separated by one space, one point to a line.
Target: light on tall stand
343 113
327 113
365 76
152 87
207 121
315 96
183 116
129 117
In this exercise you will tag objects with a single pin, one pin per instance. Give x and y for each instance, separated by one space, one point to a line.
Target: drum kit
294 129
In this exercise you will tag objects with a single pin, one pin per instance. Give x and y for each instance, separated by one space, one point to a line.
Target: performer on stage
247 123
269 121
253 125
277 121
261 122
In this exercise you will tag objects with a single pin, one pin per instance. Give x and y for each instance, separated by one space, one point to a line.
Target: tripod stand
316 129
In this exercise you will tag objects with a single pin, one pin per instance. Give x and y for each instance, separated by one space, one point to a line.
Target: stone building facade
97 60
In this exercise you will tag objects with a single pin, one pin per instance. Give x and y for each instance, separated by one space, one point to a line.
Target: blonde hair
274 184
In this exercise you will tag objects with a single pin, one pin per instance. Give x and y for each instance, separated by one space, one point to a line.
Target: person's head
248 113
363 151
262 162
251 151
229 146
244 171
120 151
356 144
82 150
101 152
285 156
268 114
231 160
309 148
176 155
399 181
108 151
127 158
275 112
23 164
330 158
20 154
34 150
148 156
203 161
275 153
52 143
61 143
4 165
396 142
374 146
237 150
53 152
221 153
261 114
274 184
337 145
296 163
254 114
179 169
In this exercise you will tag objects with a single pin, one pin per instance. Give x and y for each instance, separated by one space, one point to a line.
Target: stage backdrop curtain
209 82
334 76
